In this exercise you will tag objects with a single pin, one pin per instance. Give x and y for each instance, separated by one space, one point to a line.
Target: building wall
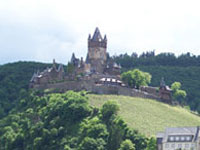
97 53
90 85
97 56
178 145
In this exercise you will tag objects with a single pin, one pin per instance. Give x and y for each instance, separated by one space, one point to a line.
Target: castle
98 74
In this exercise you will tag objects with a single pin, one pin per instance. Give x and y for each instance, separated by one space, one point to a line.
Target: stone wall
89 85
149 89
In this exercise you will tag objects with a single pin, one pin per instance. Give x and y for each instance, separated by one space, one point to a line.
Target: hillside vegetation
148 116
14 81
184 68
67 122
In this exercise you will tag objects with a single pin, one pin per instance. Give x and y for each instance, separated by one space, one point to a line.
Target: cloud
42 30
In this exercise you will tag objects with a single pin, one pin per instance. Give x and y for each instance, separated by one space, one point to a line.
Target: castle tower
97 51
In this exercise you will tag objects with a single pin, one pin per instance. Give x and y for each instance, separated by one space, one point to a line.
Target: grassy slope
148 116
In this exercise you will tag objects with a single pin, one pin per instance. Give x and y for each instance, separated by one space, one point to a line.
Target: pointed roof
33 77
73 58
162 82
89 37
60 68
87 61
105 38
54 64
97 35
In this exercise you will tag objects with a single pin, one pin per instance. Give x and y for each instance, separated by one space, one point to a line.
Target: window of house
179 145
192 146
177 138
171 138
188 138
182 138
186 145
172 145
166 145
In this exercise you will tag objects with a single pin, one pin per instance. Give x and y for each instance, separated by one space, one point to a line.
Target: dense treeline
65 122
162 59
184 69
14 78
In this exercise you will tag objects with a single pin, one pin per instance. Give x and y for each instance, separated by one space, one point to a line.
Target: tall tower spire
97 35
97 51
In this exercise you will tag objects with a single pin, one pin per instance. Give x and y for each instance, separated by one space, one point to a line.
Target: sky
43 30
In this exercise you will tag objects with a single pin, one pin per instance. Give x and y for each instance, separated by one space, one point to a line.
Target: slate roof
194 131
97 35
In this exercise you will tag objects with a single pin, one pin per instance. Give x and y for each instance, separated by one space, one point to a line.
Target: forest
184 69
65 122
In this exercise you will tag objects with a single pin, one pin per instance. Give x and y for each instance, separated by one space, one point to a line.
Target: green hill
184 68
148 116
13 78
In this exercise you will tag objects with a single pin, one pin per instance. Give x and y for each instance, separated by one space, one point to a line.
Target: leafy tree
151 144
92 144
175 86
63 121
66 147
139 140
117 129
38 143
94 128
136 78
178 94
108 109
127 145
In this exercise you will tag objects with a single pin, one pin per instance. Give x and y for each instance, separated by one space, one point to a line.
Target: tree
178 94
108 109
136 78
138 139
117 129
94 128
175 86
66 147
127 145
151 144
92 144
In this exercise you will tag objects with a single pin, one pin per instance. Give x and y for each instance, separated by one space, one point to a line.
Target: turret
162 82
89 37
97 51
54 64
97 40
105 38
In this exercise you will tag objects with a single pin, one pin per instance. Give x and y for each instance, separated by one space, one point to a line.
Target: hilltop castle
98 74
97 63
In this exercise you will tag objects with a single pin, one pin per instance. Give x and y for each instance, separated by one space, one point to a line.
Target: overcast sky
40 30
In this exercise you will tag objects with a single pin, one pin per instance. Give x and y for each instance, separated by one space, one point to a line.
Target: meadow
146 115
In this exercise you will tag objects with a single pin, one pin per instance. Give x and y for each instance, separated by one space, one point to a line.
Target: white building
180 138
